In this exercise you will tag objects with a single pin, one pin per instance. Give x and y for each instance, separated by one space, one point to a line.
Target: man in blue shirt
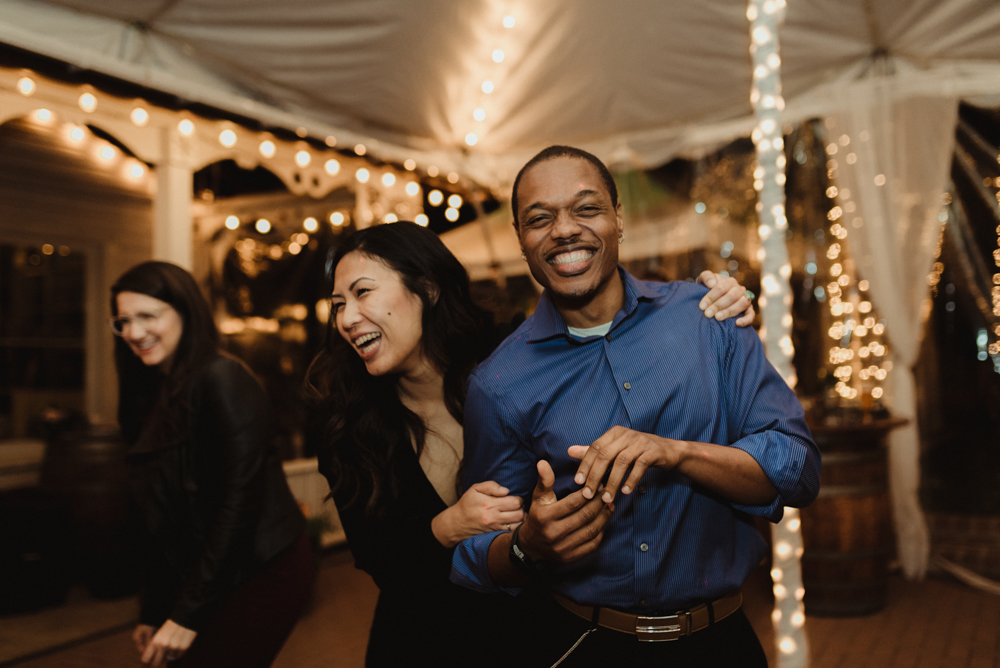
691 429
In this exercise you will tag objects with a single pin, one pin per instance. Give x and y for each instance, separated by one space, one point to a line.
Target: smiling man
645 436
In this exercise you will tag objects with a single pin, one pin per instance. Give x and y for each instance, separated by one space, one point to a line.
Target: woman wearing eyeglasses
228 565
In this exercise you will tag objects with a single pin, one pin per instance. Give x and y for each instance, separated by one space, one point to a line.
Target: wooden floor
936 623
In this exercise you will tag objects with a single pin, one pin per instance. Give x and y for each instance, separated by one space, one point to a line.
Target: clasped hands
565 530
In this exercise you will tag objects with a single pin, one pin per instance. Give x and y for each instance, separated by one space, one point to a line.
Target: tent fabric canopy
636 82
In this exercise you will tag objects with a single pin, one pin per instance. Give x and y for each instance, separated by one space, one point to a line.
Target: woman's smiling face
154 328
378 315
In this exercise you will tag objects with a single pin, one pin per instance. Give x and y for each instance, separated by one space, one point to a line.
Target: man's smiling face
569 229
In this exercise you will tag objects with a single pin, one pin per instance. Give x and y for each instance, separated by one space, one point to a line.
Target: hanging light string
859 356
308 159
775 305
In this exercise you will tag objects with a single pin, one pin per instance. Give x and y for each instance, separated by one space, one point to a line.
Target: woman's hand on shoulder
726 298
485 507
168 644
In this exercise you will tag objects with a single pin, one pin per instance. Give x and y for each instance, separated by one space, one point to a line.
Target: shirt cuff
470 565
781 458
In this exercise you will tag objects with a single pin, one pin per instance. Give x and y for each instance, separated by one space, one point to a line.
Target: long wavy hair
148 399
365 421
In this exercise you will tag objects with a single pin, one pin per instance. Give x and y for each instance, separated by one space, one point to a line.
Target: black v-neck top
422 618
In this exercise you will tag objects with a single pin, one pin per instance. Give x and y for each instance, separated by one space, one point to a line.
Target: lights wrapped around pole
775 304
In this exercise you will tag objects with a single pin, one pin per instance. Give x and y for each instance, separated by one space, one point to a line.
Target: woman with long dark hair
403 336
228 565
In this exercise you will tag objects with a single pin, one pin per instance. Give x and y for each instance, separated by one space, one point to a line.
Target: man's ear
620 217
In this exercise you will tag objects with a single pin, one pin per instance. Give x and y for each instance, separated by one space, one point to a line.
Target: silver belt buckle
658 629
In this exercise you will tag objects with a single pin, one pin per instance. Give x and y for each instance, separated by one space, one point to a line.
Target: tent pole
775 305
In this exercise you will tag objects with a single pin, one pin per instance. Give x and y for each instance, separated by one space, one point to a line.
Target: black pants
728 643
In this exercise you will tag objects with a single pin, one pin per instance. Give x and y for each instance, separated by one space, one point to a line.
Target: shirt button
644 547
642 602
608 336
642 489
627 386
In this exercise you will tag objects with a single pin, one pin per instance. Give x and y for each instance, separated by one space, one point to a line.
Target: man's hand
169 644
622 449
562 531
725 299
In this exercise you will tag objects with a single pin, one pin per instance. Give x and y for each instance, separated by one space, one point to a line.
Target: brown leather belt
657 629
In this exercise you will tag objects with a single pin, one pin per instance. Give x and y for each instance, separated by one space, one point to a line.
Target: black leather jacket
216 507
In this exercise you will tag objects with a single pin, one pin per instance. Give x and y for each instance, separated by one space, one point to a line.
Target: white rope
970 578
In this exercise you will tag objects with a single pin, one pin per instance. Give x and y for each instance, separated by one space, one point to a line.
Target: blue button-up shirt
665 369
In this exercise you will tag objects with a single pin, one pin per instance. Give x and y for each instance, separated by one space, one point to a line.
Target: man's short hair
566 152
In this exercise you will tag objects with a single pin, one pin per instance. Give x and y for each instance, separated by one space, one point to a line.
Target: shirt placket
622 369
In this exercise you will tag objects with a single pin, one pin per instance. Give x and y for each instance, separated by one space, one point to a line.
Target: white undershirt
582 332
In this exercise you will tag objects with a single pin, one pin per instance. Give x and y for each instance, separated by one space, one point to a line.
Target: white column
173 231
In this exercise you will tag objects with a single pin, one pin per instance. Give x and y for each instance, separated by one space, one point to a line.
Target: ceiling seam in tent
159 12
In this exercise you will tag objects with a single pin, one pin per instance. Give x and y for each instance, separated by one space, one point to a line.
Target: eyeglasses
119 324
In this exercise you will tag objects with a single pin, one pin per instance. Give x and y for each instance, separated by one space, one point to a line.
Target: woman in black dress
404 334
228 566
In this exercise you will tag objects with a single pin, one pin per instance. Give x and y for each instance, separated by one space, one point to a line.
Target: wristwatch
520 559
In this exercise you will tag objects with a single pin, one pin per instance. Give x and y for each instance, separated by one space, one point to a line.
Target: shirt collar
547 323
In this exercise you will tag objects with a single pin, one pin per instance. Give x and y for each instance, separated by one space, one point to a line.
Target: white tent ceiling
636 81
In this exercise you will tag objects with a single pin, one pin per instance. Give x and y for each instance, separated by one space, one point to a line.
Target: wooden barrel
86 470
847 531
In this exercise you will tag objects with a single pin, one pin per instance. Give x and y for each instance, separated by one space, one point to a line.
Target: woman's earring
621 237
523 257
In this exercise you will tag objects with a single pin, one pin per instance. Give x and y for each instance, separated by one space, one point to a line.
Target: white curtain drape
896 166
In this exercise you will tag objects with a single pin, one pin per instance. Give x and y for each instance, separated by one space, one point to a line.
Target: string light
412 188
471 139
360 149
452 177
421 219
498 55
433 171
487 87
455 200
362 175
435 197
331 141
310 224
139 117
76 134
337 218
769 179
856 341
263 225
388 179
26 86
88 102
451 213
410 164
479 114
508 22
43 114
302 158
186 127
267 148
332 167
232 222
227 138
136 171
107 152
